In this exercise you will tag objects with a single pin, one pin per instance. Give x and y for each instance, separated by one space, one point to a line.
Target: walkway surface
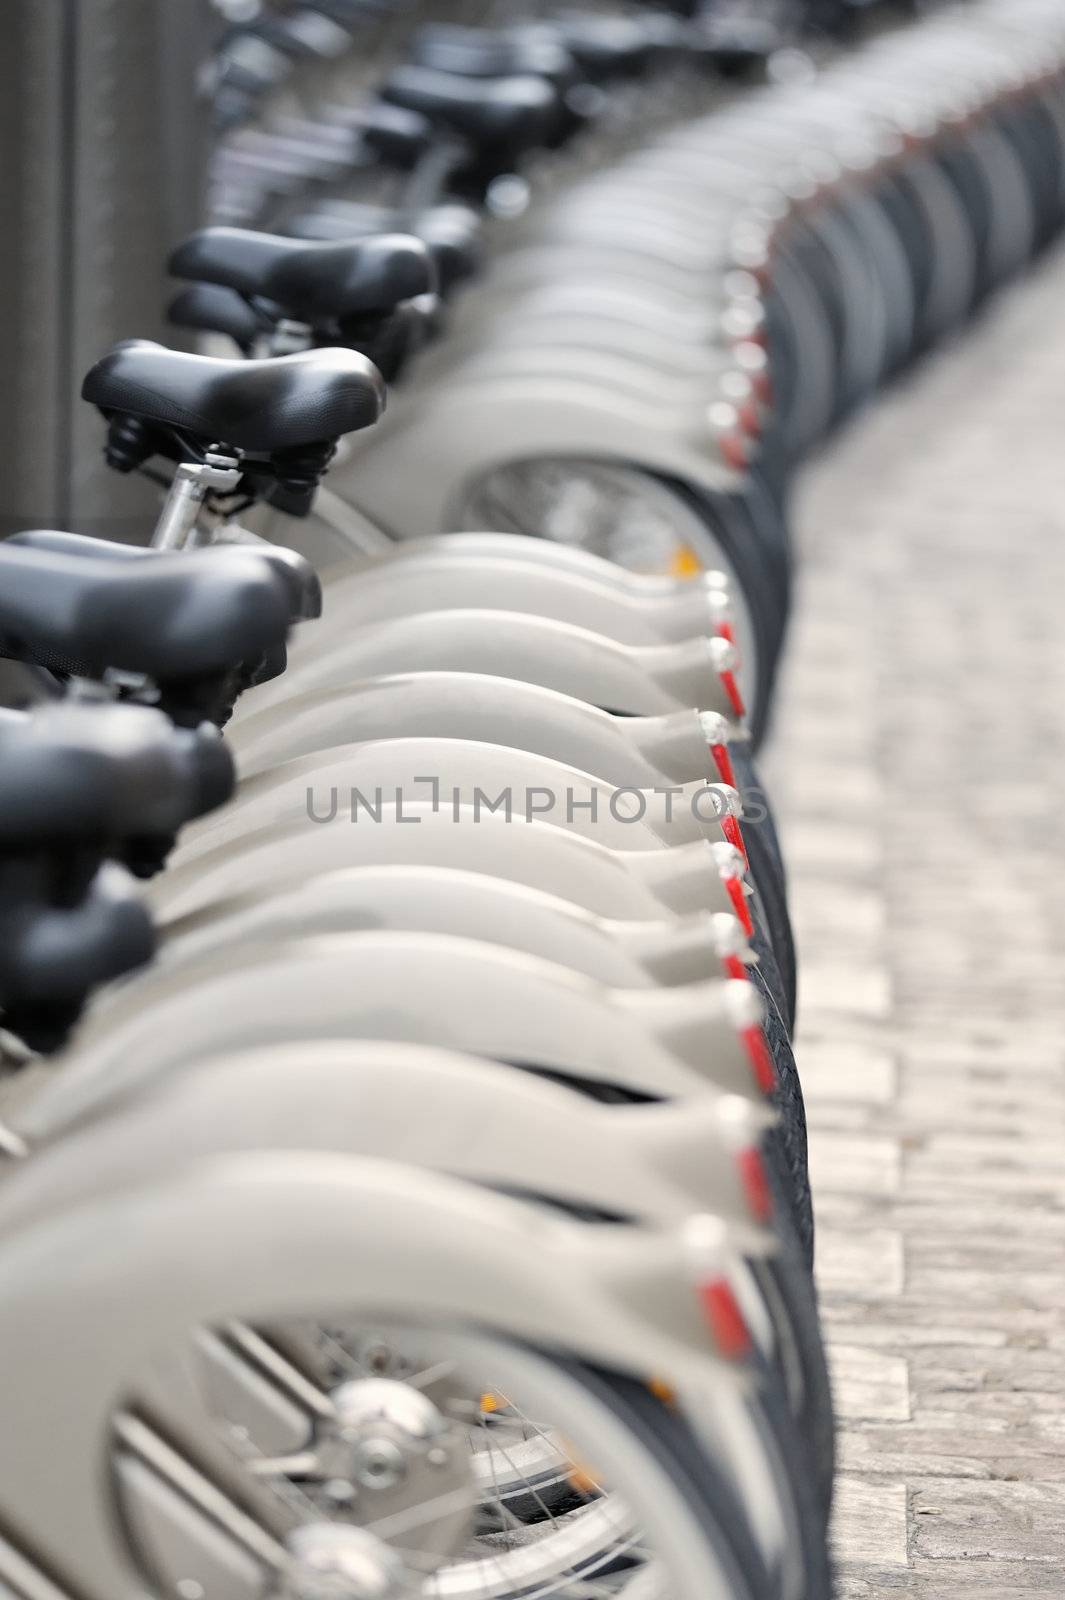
918 762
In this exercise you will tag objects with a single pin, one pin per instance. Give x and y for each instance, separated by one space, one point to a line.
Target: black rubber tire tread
771 905
808 1472
666 1435
791 1135
769 972
785 1280
758 812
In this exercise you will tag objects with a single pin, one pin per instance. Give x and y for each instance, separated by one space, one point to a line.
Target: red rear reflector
734 886
755 1183
761 1061
723 762
734 451
732 690
733 967
725 630
733 833
725 1318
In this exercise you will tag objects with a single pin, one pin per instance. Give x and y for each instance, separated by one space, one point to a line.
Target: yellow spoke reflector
684 563
579 1475
662 1391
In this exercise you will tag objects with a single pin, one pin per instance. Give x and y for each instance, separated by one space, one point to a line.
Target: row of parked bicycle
427 1208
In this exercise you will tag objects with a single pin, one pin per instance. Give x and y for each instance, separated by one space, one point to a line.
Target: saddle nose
205 308
485 53
314 281
501 119
53 956
451 232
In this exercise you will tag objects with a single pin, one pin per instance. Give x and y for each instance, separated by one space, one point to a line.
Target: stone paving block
866 1263
918 762
980 1580
858 989
869 1521
867 1384
841 1072
844 1163
1023 1522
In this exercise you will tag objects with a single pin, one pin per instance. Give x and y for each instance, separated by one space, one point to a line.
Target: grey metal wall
104 148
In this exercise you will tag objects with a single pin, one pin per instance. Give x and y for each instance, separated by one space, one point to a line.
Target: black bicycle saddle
397 137
320 283
607 48
77 775
174 618
52 956
486 53
245 72
206 308
262 407
296 35
735 45
451 232
500 118
453 236
300 579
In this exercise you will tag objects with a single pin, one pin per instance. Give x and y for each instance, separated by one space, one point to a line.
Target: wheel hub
333 1561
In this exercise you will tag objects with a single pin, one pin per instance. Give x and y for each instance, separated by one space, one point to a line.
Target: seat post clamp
192 483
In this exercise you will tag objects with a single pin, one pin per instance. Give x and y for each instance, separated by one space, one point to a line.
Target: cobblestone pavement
918 762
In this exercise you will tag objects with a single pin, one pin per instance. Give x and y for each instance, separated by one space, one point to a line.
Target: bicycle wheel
483 1471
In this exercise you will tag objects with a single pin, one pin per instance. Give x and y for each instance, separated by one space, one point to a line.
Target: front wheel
454 1464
